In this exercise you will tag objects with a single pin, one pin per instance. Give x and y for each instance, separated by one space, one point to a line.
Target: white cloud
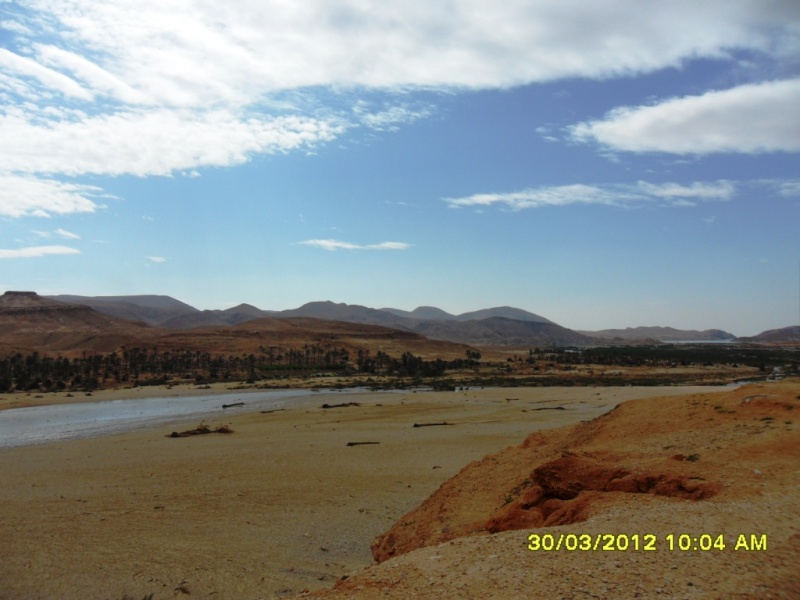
60 232
718 190
37 251
54 80
156 142
391 118
157 259
789 188
749 119
643 193
195 52
84 69
22 196
67 234
332 245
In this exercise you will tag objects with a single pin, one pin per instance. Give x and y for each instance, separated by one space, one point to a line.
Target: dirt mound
678 448
556 492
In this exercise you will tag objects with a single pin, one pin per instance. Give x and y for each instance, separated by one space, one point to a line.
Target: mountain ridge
165 311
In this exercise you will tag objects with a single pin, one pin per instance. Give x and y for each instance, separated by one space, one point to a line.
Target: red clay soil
702 463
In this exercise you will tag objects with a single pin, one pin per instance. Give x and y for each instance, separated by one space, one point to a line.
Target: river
39 424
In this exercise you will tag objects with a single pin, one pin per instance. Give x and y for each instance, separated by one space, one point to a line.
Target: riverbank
28 399
280 505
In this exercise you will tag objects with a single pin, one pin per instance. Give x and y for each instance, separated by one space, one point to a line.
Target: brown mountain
785 335
30 322
429 313
488 327
500 331
662 334
499 326
297 332
151 309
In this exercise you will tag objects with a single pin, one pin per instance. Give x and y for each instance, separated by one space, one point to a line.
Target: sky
602 164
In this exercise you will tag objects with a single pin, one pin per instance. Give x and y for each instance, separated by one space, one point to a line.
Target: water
38 424
694 342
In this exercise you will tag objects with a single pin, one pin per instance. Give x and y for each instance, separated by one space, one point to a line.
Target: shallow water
38 424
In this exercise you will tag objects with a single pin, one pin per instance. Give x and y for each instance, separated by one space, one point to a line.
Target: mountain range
31 323
102 322
500 326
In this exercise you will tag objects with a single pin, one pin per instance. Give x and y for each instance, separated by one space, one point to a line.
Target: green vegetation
142 366
630 365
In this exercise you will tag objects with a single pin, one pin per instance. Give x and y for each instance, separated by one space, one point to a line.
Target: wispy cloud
157 259
68 235
25 195
643 193
789 188
332 245
37 251
750 119
389 118
155 142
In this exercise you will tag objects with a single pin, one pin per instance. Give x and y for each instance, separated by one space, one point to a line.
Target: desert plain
284 507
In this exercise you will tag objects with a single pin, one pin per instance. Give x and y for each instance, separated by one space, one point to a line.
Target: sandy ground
279 506
710 484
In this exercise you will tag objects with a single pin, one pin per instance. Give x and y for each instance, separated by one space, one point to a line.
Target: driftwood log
341 405
201 429
432 424
234 404
551 408
361 443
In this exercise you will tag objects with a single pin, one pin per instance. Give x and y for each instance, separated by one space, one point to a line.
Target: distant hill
429 313
352 313
31 322
506 312
244 312
500 326
500 331
421 312
482 328
776 336
662 334
151 309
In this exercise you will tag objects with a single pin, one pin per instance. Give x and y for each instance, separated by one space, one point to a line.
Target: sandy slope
280 505
627 472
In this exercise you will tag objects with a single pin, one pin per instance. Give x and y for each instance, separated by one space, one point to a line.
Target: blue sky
603 165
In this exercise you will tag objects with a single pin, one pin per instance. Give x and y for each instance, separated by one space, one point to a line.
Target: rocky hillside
30 322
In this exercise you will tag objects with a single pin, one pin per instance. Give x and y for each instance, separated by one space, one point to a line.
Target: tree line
143 366
151 366
409 365
668 355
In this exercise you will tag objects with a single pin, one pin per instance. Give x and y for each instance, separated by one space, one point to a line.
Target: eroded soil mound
679 447
557 492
